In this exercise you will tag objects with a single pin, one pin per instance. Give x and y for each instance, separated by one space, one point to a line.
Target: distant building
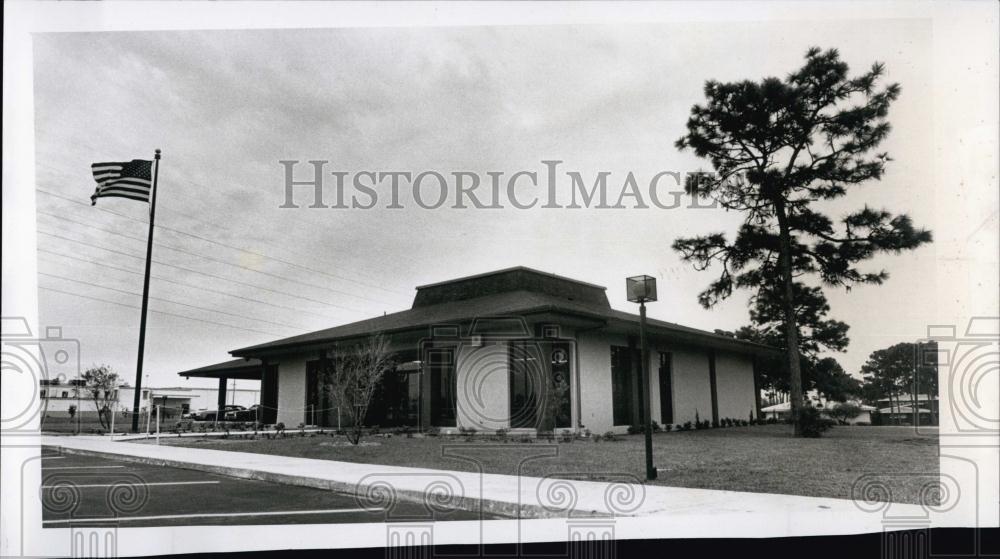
173 401
900 410
783 411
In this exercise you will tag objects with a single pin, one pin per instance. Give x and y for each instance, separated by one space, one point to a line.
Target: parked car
253 413
232 412
210 415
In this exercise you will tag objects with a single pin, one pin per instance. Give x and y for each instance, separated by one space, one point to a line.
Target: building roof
510 292
234 368
909 398
787 406
903 409
177 393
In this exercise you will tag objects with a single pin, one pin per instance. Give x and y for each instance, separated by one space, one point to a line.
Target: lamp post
641 289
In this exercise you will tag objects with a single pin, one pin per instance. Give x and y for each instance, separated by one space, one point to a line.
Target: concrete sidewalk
512 496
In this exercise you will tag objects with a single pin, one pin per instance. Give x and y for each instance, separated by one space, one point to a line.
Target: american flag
132 179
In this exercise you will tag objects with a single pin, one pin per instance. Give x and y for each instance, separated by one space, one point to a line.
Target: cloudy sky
231 268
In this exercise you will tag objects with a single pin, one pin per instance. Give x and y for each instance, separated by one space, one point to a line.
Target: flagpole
145 298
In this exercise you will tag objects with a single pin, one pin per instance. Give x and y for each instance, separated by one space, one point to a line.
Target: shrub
610 436
863 424
468 432
686 427
279 429
811 424
845 412
656 427
668 427
635 429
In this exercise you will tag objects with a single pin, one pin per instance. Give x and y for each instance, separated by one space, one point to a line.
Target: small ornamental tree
351 376
101 383
844 413
779 148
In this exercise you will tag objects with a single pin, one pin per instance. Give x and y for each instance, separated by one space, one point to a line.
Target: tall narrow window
561 384
524 379
269 395
312 393
666 388
622 395
441 365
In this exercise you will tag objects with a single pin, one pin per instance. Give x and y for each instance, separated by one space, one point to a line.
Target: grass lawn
765 459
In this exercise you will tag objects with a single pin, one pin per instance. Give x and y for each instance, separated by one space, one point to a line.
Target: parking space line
136 484
83 467
208 515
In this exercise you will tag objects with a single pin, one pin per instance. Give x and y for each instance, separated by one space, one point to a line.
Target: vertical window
666 388
441 366
622 395
524 378
562 384
313 409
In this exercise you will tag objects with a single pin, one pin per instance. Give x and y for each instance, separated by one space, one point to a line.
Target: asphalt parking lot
85 490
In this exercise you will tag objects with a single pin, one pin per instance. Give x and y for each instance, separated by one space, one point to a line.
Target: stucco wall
691 388
291 390
734 385
691 385
595 379
483 386
483 390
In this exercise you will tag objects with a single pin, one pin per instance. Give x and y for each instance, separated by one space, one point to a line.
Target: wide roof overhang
578 319
241 369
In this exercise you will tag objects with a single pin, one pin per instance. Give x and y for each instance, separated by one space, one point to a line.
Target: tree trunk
791 324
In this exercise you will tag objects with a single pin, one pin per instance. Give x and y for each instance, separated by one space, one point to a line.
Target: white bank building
514 349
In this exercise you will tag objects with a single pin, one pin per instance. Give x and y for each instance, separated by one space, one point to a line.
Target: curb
375 491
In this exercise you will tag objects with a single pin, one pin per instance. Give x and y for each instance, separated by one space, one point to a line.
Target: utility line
153 310
211 259
125 291
232 247
193 271
188 285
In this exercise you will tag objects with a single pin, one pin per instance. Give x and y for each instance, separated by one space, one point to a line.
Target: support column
635 373
269 392
715 388
221 403
756 387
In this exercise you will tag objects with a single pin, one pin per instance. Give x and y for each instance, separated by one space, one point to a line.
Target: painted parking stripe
83 467
136 484
207 515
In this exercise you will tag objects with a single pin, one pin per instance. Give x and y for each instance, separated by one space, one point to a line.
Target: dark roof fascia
706 339
511 269
299 347
703 339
